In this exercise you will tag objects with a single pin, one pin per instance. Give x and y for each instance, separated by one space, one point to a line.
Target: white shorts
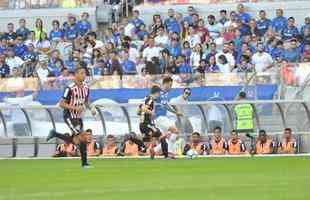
164 122
171 144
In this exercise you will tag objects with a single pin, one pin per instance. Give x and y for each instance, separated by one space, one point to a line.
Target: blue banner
262 92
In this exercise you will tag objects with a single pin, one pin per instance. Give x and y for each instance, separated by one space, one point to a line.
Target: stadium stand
216 54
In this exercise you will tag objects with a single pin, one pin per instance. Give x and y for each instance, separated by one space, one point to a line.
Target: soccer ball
191 154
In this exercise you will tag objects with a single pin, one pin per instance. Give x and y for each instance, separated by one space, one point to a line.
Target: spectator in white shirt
213 27
196 56
31 39
193 38
223 64
92 36
229 57
161 39
261 60
42 70
151 51
13 61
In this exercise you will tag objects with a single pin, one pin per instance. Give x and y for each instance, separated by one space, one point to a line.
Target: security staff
244 116
244 119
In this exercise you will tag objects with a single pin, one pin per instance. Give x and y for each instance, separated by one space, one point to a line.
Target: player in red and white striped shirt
74 102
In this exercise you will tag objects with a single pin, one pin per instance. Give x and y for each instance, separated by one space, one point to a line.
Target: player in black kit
147 125
74 102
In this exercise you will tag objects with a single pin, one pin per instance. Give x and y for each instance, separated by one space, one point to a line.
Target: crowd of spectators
195 145
185 44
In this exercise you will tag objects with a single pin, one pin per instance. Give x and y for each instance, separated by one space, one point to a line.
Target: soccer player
74 102
162 106
147 125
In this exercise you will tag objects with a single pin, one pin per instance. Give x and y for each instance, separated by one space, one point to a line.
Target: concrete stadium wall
48 15
298 9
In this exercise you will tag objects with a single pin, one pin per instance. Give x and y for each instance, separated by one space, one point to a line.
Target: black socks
164 147
83 151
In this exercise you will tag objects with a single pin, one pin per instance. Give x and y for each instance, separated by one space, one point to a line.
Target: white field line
147 157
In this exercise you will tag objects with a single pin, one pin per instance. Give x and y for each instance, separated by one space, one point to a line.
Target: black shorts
75 125
149 130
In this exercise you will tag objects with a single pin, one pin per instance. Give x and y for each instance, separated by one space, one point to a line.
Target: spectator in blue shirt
84 26
306 25
189 17
244 29
262 24
56 33
277 52
141 33
185 69
242 15
212 67
71 31
20 48
22 30
3 45
171 24
174 48
128 66
31 55
290 31
136 21
212 51
280 22
293 53
4 68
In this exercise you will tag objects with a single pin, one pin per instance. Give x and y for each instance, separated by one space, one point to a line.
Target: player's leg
82 139
162 139
79 137
54 134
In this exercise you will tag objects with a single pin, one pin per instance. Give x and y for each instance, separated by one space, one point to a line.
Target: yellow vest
244 114
69 4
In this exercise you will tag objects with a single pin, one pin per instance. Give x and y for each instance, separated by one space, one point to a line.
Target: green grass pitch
272 178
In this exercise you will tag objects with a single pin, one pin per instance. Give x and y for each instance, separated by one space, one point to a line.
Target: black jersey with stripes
75 95
146 118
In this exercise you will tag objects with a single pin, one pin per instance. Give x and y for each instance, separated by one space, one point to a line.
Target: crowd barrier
28 126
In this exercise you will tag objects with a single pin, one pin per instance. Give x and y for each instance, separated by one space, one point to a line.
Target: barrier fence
28 126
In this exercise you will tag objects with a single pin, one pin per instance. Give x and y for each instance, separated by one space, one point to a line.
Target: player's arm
91 108
172 109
